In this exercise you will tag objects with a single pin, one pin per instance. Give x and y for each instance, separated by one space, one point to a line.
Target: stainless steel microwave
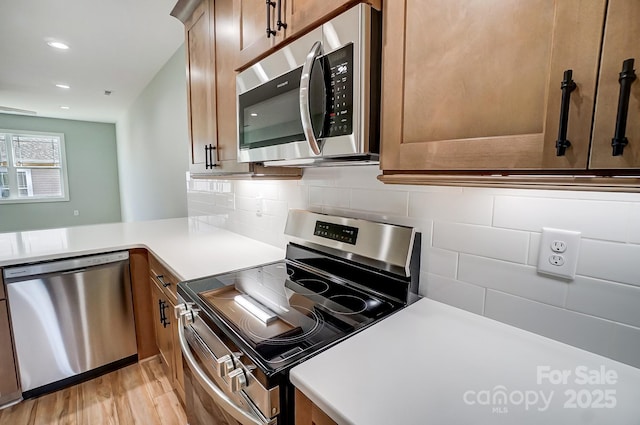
315 101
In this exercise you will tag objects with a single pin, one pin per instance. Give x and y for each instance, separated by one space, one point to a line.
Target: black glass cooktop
284 312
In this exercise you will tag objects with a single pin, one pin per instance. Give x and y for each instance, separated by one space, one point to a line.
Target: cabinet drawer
163 278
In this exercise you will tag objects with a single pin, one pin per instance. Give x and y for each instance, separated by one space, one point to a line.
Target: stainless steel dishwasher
72 319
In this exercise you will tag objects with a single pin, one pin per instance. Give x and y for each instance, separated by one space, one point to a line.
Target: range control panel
340 92
337 232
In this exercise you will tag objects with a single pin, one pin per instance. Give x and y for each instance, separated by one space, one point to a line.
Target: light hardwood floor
137 394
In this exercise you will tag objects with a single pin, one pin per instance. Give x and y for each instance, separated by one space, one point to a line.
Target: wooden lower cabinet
308 413
9 387
163 302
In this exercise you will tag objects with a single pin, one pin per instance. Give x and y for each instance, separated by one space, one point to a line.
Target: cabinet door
621 42
200 84
8 377
303 15
467 86
307 413
252 18
226 50
163 328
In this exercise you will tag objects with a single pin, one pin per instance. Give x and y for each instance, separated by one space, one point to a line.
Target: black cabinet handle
160 278
163 317
279 22
567 86
627 76
270 4
208 157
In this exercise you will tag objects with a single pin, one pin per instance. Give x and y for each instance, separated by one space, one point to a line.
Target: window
32 167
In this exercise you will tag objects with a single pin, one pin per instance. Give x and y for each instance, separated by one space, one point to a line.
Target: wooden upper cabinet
200 83
467 86
296 16
621 42
253 17
303 15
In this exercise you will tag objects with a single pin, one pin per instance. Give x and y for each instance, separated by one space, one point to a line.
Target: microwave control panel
340 92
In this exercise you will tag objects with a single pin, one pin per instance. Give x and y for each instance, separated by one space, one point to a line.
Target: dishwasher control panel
64 265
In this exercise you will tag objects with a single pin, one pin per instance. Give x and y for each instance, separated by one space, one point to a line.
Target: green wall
92 169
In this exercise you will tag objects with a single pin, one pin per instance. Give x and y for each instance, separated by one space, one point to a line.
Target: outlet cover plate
559 262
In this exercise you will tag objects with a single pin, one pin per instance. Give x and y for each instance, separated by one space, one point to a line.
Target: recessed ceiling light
58 45
253 114
64 107
63 86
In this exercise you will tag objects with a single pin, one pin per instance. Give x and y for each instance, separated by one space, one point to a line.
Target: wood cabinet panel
163 278
303 15
251 20
470 87
308 413
164 334
8 376
200 83
621 41
142 306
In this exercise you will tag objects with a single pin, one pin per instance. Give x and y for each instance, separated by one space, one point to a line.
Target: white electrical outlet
558 255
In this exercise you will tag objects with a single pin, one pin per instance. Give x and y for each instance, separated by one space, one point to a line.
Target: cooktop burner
312 286
335 281
283 310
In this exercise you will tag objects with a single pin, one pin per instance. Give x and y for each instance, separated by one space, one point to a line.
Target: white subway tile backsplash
380 201
296 195
516 279
625 345
256 189
534 247
328 196
608 300
634 226
595 219
453 207
501 244
610 261
320 176
579 330
450 291
440 262
277 208
316 195
479 248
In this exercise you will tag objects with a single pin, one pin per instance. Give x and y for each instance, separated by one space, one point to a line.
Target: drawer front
163 278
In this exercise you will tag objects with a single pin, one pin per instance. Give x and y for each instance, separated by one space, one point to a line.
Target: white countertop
433 364
187 246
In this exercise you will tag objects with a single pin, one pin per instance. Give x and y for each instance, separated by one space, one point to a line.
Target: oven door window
270 114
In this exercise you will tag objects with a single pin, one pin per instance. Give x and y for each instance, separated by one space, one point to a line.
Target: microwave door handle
305 82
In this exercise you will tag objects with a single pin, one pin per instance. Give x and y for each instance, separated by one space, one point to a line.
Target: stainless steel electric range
241 332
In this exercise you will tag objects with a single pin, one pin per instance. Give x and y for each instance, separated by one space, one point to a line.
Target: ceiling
115 45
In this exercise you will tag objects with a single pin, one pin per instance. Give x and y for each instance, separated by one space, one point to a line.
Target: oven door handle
305 83
219 397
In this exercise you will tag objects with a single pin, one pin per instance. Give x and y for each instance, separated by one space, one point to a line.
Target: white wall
153 147
479 246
